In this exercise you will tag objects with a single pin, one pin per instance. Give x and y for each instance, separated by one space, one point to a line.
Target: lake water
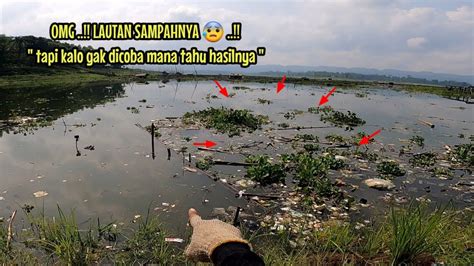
119 178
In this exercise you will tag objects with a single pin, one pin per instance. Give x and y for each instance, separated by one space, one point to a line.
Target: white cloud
462 14
368 33
416 42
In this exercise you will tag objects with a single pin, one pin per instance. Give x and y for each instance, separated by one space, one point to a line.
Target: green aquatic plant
311 172
366 155
334 138
226 120
307 137
204 163
425 159
390 169
442 172
464 153
418 140
263 101
264 171
292 114
355 139
313 110
348 120
310 147
331 161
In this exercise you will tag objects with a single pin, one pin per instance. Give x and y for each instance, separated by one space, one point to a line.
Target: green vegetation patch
264 171
425 159
311 172
226 120
348 120
390 169
204 164
366 155
464 153
310 147
263 101
442 172
334 138
292 114
307 137
418 140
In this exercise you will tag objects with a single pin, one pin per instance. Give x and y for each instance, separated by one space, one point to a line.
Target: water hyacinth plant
264 171
390 169
226 120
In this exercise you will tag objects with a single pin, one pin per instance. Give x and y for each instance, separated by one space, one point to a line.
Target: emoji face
213 31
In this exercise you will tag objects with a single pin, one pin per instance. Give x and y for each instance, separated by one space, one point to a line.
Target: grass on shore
413 234
63 78
410 235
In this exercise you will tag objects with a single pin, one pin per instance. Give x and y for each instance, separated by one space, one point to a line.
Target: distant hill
430 76
326 71
14 60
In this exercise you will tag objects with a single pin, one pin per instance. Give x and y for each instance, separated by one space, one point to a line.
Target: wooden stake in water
236 217
153 141
426 123
169 154
78 153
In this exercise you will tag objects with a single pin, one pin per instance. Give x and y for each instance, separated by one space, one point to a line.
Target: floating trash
41 193
174 239
378 183
189 169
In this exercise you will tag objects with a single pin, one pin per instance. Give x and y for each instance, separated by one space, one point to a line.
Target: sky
409 35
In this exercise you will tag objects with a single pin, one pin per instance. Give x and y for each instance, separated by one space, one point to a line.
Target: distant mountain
299 70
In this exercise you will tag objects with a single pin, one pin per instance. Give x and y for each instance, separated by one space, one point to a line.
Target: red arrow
324 98
281 84
222 90
208 143
366 139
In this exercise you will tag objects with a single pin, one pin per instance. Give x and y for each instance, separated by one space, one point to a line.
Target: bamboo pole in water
426 123
153 141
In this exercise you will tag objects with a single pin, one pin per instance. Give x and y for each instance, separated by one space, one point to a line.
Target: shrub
416 231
